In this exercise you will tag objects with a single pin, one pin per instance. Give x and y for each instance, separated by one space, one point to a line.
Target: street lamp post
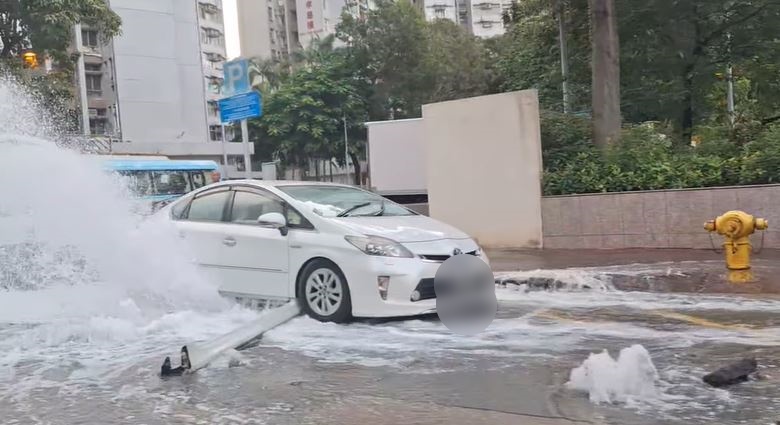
346 148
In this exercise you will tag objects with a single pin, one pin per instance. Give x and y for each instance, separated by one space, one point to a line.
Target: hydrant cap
709 225
761 224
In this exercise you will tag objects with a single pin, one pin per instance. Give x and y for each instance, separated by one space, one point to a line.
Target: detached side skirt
198 355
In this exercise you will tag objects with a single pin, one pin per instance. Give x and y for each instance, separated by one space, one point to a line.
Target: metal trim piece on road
198 355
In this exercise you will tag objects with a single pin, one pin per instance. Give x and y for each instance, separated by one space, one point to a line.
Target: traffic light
30 60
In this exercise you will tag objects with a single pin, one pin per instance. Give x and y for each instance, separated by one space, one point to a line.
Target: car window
296 221
331 201
209 207
248 206
178 210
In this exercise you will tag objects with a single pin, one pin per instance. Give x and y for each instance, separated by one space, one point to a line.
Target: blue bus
160 181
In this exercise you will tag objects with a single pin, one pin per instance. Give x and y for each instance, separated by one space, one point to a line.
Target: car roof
279 183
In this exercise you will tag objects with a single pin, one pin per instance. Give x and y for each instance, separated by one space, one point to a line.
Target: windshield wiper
381 209
352 208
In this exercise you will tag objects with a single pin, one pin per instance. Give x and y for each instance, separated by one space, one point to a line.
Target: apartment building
486 17
268 28
483 18
153 89
274 29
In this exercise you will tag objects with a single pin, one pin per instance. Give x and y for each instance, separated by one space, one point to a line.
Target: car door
256 259
201 222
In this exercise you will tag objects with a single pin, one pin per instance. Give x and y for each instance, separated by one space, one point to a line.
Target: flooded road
418 371
88 310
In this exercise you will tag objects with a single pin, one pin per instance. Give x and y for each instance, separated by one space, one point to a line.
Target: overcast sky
231 28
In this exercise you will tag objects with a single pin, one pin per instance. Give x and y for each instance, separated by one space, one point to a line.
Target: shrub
563 136
647 159
761 158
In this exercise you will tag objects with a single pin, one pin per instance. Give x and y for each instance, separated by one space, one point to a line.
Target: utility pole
564 58
730 84
346 148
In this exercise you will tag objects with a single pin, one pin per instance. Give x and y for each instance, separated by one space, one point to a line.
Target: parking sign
236 78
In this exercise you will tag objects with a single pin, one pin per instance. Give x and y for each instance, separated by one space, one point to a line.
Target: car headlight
379 246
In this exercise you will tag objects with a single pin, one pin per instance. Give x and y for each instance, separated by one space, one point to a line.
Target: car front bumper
405 276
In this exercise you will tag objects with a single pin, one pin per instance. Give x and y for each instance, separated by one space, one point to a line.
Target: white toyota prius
341 251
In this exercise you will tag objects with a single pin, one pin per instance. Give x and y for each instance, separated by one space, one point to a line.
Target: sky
231 28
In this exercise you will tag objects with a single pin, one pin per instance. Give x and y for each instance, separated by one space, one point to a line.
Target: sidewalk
530 259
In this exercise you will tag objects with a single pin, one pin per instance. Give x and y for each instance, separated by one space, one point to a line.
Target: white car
341 251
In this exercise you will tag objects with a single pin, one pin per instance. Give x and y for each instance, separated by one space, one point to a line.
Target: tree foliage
304 115
47 25
673 56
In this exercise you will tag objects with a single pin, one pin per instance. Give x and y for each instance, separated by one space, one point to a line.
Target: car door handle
229 241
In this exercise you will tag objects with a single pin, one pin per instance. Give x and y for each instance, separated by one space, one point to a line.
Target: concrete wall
654 219
483 162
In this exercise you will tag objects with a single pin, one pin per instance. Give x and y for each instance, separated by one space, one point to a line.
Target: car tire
323 292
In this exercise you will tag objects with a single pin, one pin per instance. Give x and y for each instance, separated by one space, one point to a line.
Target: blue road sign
240 107
236 77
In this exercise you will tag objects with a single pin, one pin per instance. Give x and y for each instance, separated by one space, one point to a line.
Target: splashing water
85 285
630 378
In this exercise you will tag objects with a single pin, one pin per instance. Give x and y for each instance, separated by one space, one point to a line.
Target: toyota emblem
457 251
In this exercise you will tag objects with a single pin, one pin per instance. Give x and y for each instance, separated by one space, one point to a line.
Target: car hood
412 228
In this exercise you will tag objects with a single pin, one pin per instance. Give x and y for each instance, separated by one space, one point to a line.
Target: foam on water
86 287
629 378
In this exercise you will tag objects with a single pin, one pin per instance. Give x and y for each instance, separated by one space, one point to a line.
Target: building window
210 12
213 109
97 121
215 85
270 14
439 13
212 37
89 38
215 133
94 84
92 67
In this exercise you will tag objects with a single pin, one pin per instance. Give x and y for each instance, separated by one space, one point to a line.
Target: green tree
303 118
527 56
457 64
388 51
47 25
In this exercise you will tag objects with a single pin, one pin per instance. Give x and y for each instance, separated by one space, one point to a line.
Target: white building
152 89
276 28
267 28
486 17
483 18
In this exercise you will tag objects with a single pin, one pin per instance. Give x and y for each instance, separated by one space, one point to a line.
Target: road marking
699 321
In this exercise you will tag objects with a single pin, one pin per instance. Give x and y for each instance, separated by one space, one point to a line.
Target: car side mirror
274 220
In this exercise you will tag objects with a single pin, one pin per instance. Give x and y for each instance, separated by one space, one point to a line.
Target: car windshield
341 201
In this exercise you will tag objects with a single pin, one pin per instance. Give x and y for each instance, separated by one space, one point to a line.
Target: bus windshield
164 178
168 182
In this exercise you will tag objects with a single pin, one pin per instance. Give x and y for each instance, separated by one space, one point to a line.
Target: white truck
396 162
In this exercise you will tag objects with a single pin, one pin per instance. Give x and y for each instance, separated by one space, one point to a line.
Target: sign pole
241 102
245 142
224 152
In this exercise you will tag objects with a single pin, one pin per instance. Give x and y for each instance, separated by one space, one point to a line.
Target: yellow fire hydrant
736 227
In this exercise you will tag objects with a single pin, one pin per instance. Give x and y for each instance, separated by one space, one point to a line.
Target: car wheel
324 293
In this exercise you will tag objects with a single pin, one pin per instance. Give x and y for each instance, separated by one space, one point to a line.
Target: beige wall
483 161
655 219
